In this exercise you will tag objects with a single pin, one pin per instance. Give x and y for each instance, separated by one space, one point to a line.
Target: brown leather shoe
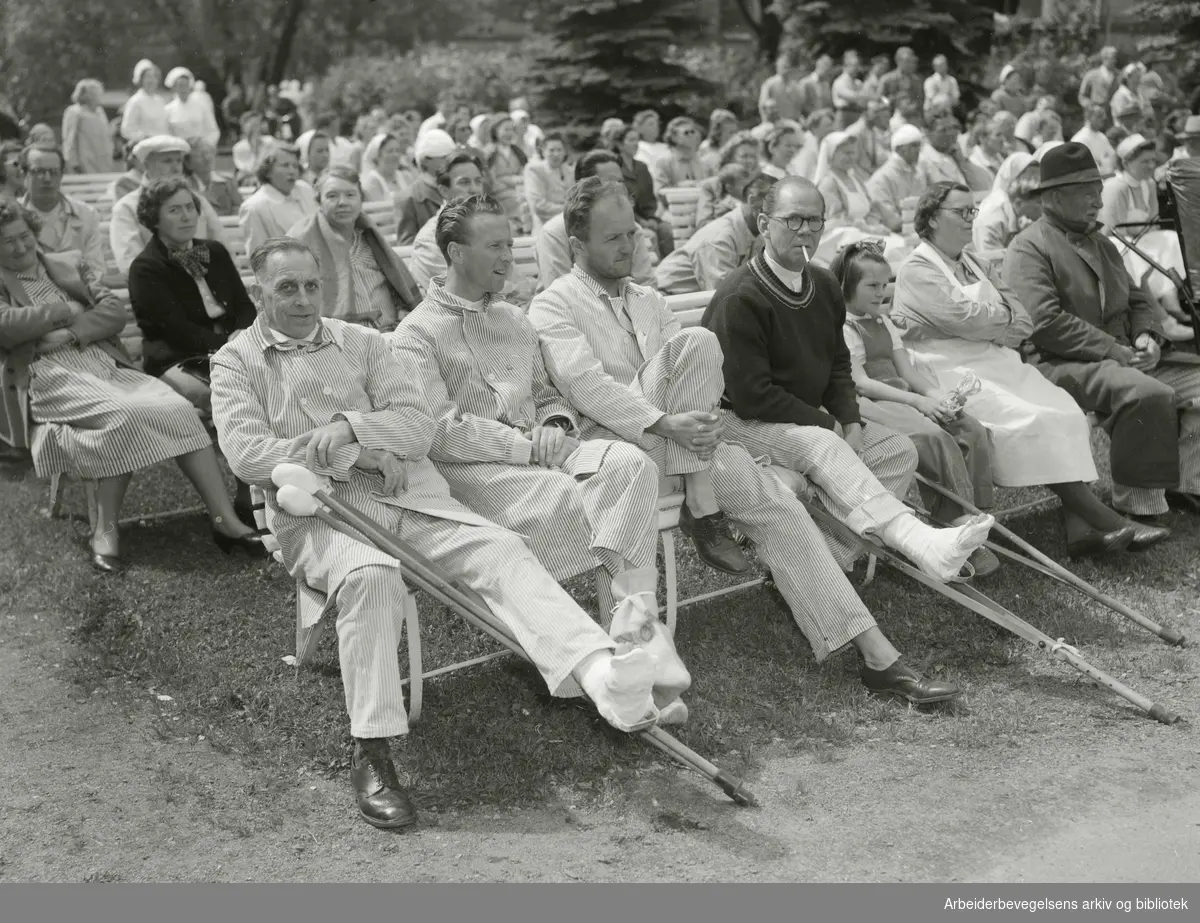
714 544
901 680
381 800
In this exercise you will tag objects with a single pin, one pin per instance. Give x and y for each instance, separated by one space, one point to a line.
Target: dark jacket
170 310
641 189
419 204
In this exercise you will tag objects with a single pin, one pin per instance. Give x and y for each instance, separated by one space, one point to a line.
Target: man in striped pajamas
616 353
509 446
296 387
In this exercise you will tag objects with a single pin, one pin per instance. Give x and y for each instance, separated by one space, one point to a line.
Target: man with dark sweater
619 357
788 383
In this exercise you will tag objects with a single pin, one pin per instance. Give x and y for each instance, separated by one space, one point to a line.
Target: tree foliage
1169 33
611 58
959 29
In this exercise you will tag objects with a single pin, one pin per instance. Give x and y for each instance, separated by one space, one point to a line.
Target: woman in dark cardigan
187 296
186 293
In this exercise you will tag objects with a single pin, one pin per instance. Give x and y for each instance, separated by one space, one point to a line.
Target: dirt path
92 791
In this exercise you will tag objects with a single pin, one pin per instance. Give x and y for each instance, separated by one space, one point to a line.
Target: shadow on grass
214 630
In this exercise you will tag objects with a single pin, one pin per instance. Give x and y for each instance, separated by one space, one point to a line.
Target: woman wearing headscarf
316 149
998 220
86 141
145 112
850 214
386 180
505 164
722 125
1131 197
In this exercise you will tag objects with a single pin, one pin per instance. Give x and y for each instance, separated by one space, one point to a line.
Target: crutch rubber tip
736 790
1173 637
1158 713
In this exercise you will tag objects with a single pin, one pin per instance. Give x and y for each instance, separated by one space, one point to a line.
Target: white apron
858 206
1040 435
1161 246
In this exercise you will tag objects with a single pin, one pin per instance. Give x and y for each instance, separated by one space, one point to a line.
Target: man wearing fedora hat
1095 335
1190 136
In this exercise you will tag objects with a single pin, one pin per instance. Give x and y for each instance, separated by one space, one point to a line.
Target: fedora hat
1068 164
1191 128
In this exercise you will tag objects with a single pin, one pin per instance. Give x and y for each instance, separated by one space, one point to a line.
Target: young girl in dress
954 450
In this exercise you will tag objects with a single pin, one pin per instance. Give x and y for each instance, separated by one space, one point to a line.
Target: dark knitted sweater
785 357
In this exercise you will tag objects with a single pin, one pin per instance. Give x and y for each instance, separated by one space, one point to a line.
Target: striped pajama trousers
686 375
863 492
599 509
493 562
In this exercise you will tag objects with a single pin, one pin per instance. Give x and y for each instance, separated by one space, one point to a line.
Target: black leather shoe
714 544
901 680
381 800
1188 503
1147 536
251 544
1099 543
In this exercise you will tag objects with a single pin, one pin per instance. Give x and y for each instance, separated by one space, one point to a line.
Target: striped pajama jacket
488 388
266 394
623 362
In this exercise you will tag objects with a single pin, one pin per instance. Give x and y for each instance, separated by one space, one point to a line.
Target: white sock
940 553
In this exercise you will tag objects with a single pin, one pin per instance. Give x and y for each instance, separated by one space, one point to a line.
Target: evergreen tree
609 58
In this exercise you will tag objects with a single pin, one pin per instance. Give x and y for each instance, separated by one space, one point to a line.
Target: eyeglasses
45 172
797 223
967 214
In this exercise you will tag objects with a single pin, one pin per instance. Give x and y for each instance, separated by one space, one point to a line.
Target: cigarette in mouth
806 257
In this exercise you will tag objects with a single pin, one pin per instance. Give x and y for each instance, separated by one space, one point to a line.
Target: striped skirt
96 420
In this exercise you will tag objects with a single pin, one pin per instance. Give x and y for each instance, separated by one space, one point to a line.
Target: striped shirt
484 375
592 354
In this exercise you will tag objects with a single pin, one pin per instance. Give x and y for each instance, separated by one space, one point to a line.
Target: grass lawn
214 630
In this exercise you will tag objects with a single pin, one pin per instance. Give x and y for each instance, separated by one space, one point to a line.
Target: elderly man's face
340 202
1078 202
610 240
43 173
163 165
486 258
285 172
289 293
794 226
18 247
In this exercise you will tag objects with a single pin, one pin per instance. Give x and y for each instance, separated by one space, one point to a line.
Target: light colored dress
96 419
968 320
1127 201
86 140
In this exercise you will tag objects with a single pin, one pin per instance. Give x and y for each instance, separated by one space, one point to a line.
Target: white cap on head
140 69
906 134
1006 72
175 74
519 114
434 143
1132 145
160 144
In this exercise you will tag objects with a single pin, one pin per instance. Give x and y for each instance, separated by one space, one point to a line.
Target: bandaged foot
635 624
940 553
621 688
673 714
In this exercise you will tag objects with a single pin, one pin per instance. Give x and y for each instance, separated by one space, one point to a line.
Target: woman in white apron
1131 197
850 215
957 316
